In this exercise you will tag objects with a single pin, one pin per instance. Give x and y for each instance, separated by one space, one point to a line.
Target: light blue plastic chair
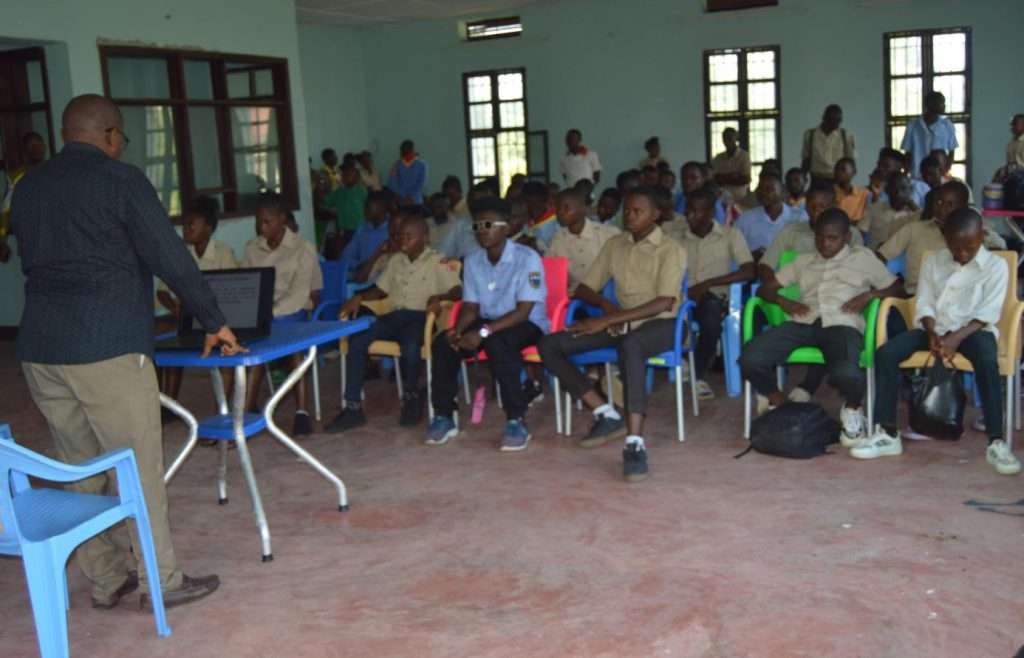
45 525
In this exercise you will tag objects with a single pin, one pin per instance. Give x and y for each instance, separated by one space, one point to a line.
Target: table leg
288 442
222 448
238 414
193 434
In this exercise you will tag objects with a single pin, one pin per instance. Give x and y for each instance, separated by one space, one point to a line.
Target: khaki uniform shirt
919 238
218 256
642 271
882 222
296 271
582 249
798 237
1015 151
409 284
824 151
737 163
827 284
713 255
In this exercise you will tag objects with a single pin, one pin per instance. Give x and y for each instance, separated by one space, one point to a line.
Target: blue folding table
234 424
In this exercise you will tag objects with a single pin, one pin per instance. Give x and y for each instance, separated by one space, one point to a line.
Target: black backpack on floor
798 430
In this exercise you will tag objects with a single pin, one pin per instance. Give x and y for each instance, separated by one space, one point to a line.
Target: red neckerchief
582 150
548 215
410 158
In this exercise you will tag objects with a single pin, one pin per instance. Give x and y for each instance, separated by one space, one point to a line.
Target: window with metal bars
496 124
494 28
742 91
918 62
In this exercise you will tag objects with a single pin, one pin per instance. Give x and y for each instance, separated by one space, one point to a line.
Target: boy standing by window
732 167
579 161
348 201
958 305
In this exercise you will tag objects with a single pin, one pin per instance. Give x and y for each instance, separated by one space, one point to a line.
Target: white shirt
955 294
577 166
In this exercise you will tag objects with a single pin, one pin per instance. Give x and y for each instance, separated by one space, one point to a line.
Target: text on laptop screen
238 296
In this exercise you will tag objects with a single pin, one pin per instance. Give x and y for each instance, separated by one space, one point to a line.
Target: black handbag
937 402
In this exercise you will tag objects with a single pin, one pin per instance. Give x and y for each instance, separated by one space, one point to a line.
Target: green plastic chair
806 355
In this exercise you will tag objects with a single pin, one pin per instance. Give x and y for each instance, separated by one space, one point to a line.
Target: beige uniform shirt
827 284
917 239
824 151
218 256
737 163
642 271
582 249
713 255
409 284
799 237
1015 151
881 222
438 232
296 269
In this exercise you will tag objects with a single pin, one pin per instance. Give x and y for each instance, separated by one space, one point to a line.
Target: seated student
667 179
890 161
585 186
543 218
199 222
668 215
440 223
608 207
416 281
649 176
836 284
515 188
711 249
931 179
851 199
692 178
373 266
503 312
959 302
296 270
579 239
348 201
372 233
919 237
946 169
883 219
761 224
796 186
461 240
648 268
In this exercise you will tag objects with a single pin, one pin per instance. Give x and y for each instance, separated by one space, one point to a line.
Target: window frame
25 55
495 129
927 76
743 116
179 103
504 21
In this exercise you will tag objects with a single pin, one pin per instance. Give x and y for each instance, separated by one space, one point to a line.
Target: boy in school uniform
691 176
373 266
461 239
372 233
579 161
503 311
732 167
959 302
825 144
416 280
579 239
796 187
440 223
890 161
931 179
608 208
761 224
543 218
296 270
330 167
930 131
1015 147
836 283
850 198
711 250
653 159
408 175
647 267
347 201
883 219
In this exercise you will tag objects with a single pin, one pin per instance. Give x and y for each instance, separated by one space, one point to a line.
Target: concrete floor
463 551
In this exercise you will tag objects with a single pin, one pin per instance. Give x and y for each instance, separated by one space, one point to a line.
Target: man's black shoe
603 430
634 463
130 585
412 410
191 589
348 419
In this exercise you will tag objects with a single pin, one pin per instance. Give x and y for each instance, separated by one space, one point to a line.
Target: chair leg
609 388
870 402
1016 397
145 533
679 403
780 378
398 379
270 380
497 394
430 390
746 410
693 385
465 383
343 382
1008 421
44 572
568 414
557 392
316 390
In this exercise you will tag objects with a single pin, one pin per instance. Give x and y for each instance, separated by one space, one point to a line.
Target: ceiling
364 12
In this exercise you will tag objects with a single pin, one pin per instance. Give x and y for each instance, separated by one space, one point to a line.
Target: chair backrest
335 274
556 279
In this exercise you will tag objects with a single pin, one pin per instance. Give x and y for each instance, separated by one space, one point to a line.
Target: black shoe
412 410
303 425
348 419
532 392
634 463
192 589
603 430
130 585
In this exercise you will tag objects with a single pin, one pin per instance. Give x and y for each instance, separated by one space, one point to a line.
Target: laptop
245 297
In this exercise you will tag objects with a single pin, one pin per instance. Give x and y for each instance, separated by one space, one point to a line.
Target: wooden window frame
927 76
179 103
495 128
12 138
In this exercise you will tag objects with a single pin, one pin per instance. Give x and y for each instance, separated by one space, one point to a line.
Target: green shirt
348 202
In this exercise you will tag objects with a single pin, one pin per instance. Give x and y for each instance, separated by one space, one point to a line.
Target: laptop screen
238 296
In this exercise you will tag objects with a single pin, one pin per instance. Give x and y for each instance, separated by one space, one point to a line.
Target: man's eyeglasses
123 136
487 225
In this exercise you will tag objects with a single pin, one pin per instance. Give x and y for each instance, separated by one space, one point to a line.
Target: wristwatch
485 331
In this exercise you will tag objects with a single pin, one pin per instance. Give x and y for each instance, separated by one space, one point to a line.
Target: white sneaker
979 424
799 395
854 426
762 405
879 444
704 391
1004 461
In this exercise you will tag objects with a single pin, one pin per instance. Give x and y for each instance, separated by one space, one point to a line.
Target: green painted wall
73 29
622 71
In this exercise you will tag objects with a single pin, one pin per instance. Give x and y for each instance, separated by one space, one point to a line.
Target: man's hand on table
225 338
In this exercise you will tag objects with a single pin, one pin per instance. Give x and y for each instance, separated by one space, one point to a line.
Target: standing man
929 131
408 175
579 162
33 152
368 174
732 167
1015 149
825 145
92 235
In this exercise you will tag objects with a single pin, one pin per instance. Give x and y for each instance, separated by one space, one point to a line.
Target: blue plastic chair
45 525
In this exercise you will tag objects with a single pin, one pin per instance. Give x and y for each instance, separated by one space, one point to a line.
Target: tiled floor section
463 551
